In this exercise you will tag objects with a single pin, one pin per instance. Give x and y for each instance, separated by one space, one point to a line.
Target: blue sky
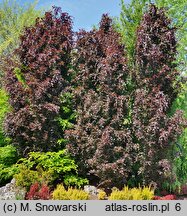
85 13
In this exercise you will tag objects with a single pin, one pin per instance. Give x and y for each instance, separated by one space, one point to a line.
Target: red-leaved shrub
38 192
167 197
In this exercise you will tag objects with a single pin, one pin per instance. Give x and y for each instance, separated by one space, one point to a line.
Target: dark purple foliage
44 59
153 129
156 52
100 141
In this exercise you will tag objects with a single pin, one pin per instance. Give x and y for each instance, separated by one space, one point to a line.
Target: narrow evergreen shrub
4 108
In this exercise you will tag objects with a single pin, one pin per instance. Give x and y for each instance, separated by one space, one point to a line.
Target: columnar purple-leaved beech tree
156 80
101 142
37 81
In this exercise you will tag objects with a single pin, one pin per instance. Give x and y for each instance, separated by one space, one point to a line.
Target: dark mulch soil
182 197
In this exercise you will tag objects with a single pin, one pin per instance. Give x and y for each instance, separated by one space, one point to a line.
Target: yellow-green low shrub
26 177
60 193
145 193
102 195
48 168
